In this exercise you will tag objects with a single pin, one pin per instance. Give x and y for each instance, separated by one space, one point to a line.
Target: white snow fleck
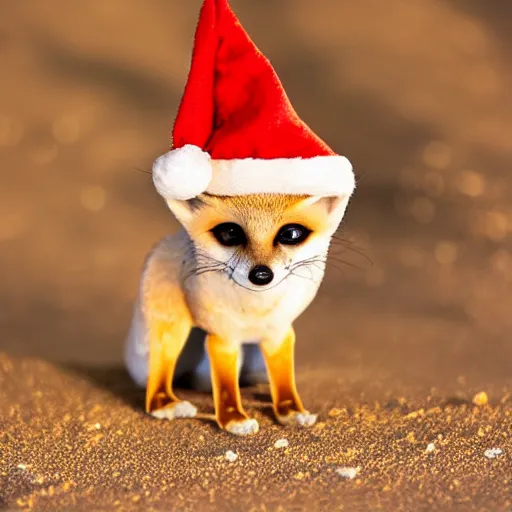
492 453
281 443
430 447
230 456
348 472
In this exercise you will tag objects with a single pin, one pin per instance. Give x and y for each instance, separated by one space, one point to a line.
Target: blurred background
416 93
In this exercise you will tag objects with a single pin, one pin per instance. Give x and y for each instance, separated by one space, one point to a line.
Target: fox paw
182 409
302 419
244 427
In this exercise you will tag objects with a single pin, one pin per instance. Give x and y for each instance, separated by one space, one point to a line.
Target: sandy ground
390 354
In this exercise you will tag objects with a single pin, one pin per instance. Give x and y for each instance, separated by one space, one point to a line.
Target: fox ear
184 211
335 207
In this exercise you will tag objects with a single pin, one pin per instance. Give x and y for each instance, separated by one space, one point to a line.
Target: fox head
259 241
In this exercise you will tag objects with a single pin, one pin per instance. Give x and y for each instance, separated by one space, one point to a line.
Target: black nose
261 275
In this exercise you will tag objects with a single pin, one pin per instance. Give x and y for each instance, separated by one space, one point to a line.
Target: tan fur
260 215
175 297
168 323
280 365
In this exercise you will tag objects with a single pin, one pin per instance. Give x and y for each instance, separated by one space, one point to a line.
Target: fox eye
229 234
292 234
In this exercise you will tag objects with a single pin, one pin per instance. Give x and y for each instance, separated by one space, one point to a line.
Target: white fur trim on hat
187 172
317 176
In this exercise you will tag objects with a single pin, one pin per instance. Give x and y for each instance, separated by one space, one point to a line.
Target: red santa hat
236 132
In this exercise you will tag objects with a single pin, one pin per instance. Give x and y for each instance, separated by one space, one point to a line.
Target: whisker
203 257
368 260
304 277
207 270
350 245
322 257
144 171
336 259
317 261
339 269
203 269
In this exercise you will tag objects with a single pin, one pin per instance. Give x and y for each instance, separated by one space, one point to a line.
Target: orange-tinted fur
173 299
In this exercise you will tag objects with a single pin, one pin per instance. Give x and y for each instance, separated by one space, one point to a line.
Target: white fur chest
218 305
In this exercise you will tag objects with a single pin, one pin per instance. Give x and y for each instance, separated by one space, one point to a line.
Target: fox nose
261 275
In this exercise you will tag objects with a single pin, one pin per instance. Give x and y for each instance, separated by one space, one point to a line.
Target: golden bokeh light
471 183
446 253
93 198
437 155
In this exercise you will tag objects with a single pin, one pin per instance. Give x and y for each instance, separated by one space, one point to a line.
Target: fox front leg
279 359
167 338
224 361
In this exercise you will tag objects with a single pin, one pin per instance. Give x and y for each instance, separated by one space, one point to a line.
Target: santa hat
236 132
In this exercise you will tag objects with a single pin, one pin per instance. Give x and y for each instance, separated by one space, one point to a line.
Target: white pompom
182 173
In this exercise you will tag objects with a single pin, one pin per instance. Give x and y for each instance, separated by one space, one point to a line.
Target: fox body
242 269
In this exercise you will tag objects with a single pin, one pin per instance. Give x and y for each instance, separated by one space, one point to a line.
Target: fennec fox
242 269
259 196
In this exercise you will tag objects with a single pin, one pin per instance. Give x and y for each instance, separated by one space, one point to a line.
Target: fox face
259 241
